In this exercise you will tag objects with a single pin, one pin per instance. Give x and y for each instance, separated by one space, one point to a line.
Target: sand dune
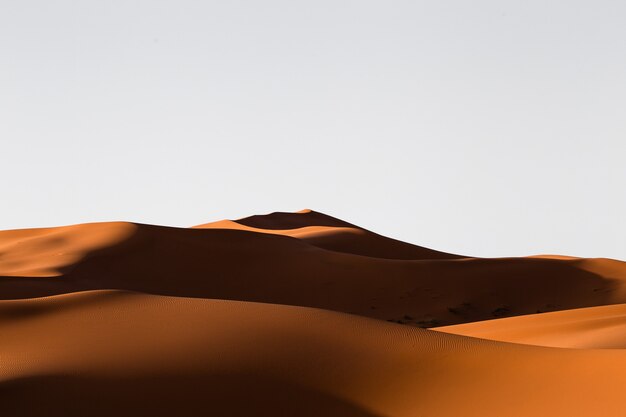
108 352
327 232
254 266
585 328
49 252
247 317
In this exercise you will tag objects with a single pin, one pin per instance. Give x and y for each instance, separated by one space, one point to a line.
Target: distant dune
247 317
584 328
327 232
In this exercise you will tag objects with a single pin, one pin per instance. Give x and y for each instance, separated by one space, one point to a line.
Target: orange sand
584 328
117 319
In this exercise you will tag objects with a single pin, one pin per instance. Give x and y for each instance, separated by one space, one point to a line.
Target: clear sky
487 128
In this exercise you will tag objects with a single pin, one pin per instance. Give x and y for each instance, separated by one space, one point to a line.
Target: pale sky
487 128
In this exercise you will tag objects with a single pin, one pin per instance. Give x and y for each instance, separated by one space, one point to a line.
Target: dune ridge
300 314
330 233
601 327
287 270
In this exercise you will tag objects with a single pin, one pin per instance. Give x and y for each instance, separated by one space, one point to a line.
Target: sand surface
248 317
583 328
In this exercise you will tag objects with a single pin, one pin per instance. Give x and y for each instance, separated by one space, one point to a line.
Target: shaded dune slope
327 232
79 354
259 266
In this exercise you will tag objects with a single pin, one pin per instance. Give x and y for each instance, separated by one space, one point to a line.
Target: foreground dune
109 353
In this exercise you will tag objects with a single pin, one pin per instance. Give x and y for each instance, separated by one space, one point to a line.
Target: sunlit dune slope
110 353
589 328
255 266
50 251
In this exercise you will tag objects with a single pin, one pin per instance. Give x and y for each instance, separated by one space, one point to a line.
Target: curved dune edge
263 267
104 353
330 233
47 252
585 328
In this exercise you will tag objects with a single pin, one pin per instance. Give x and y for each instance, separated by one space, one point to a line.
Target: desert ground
300 314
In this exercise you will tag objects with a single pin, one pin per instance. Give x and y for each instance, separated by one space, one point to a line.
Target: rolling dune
115 353
248 317
327 232
583 328
51 251
258 266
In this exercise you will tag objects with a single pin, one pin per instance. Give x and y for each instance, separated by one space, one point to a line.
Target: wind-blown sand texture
300 314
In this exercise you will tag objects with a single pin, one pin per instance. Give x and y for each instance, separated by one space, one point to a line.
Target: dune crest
601 327
48 252
229 263
250 266
330 233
